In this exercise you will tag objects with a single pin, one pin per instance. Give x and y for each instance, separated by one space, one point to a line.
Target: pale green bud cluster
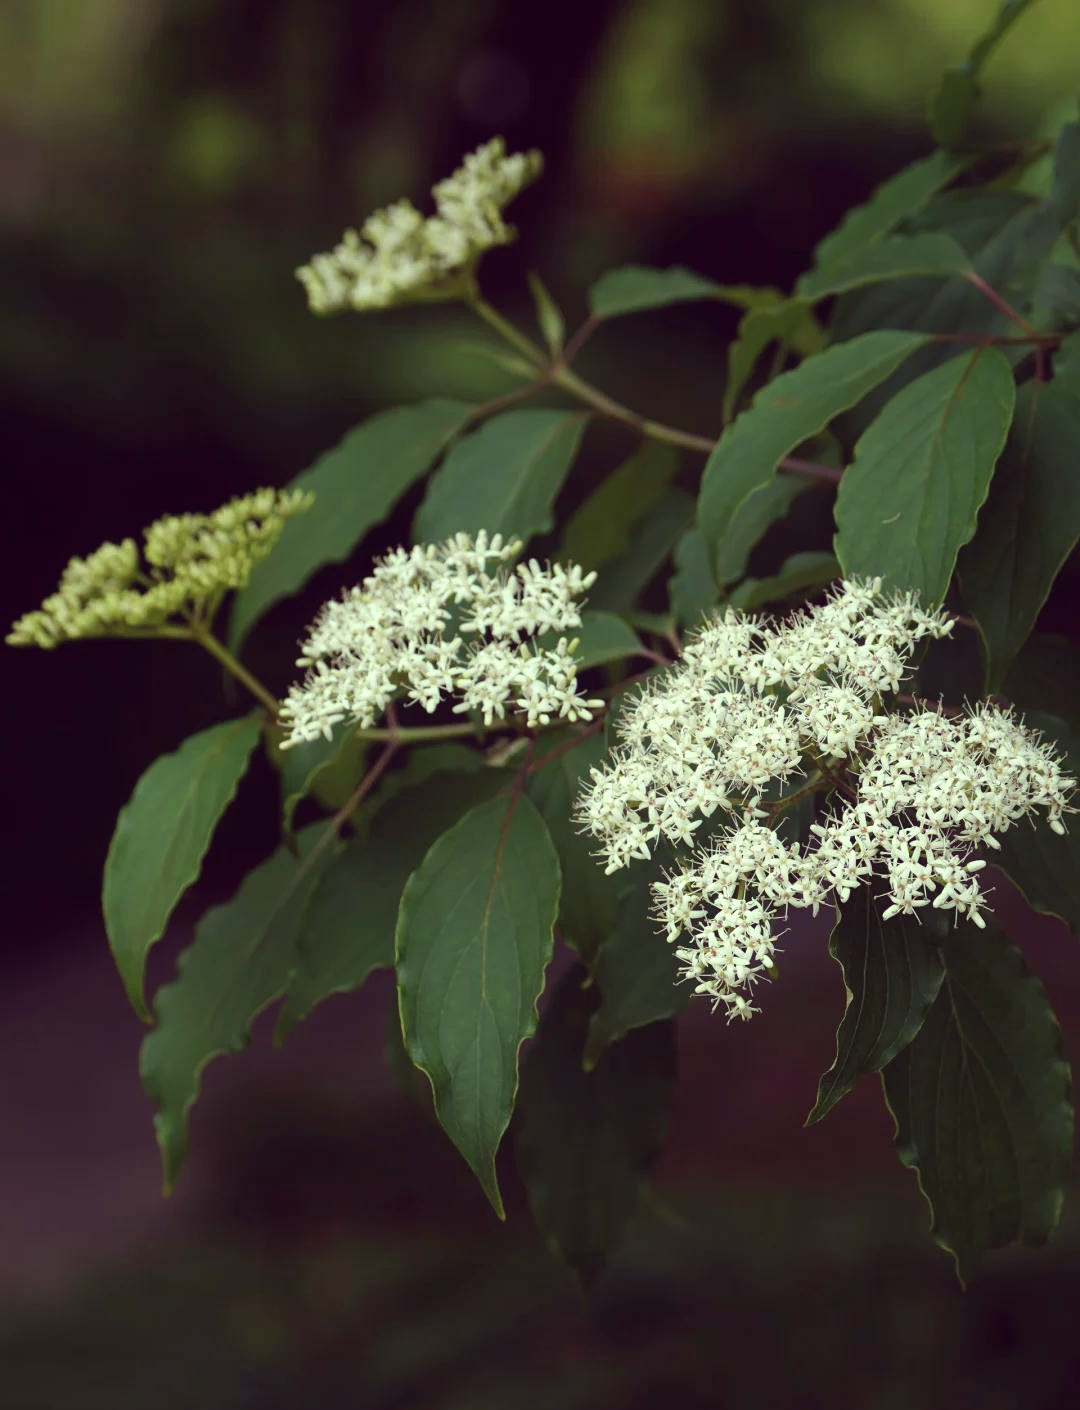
189 560
399 256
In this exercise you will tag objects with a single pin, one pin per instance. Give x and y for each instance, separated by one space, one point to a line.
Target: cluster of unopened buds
399 256
754 714
439 620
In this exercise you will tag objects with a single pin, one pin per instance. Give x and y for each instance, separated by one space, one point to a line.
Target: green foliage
636 289
602 637
548 316
785 413
1028 526
161 838
355 487
601 529
981 1102
892 974
241 960
897 257
908 501
959 86
474 937
652 540
503 477
588 1139
798 575
789 322
324 769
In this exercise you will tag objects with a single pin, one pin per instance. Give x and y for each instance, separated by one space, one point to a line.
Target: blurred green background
164 166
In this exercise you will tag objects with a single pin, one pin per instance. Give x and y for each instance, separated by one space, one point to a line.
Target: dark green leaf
1042 863
895 201
623 581
637 974
503 477
325 769
785 413
789 322
589 902
637 288
798 574
242 957
981 1102
550 319
892 974
600 530
1028 526
959 87
692 591
898 257
161 838
1065 184
1045 678
474 937
349 929
587 1140
908 501
355 486
763 508
602 637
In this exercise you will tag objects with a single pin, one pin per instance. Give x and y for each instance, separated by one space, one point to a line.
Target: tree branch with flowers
493 761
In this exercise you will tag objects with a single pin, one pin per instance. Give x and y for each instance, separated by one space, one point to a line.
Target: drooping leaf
789 322
548 315
637 974
981 1101
959 86
241 960
894 202
349 927
474 937
892 974
636 288
785 413
652 540
589 902
325 769
920 473
600 530
587 1140
1028 526
602 637
161 837
355 485
1044 864
928 255
692 590
763 508
502 477
798 574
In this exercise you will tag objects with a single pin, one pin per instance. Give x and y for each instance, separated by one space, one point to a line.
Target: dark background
164 165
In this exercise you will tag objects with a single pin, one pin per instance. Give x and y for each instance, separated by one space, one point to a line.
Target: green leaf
798 574
959 87
161 838
790 322
474 937
325 769
637 973
623 581
907 503
1044 864
589 902
602 637
1065 184
349 929
787 411
898 257
587 1140
892 974
1028 526
636 288
550 319
757 514
503 477
355 486
600 529
692 591
895 201
240 961
981 1102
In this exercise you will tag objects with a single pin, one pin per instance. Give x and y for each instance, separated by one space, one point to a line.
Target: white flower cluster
752 705
440 620
398 255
